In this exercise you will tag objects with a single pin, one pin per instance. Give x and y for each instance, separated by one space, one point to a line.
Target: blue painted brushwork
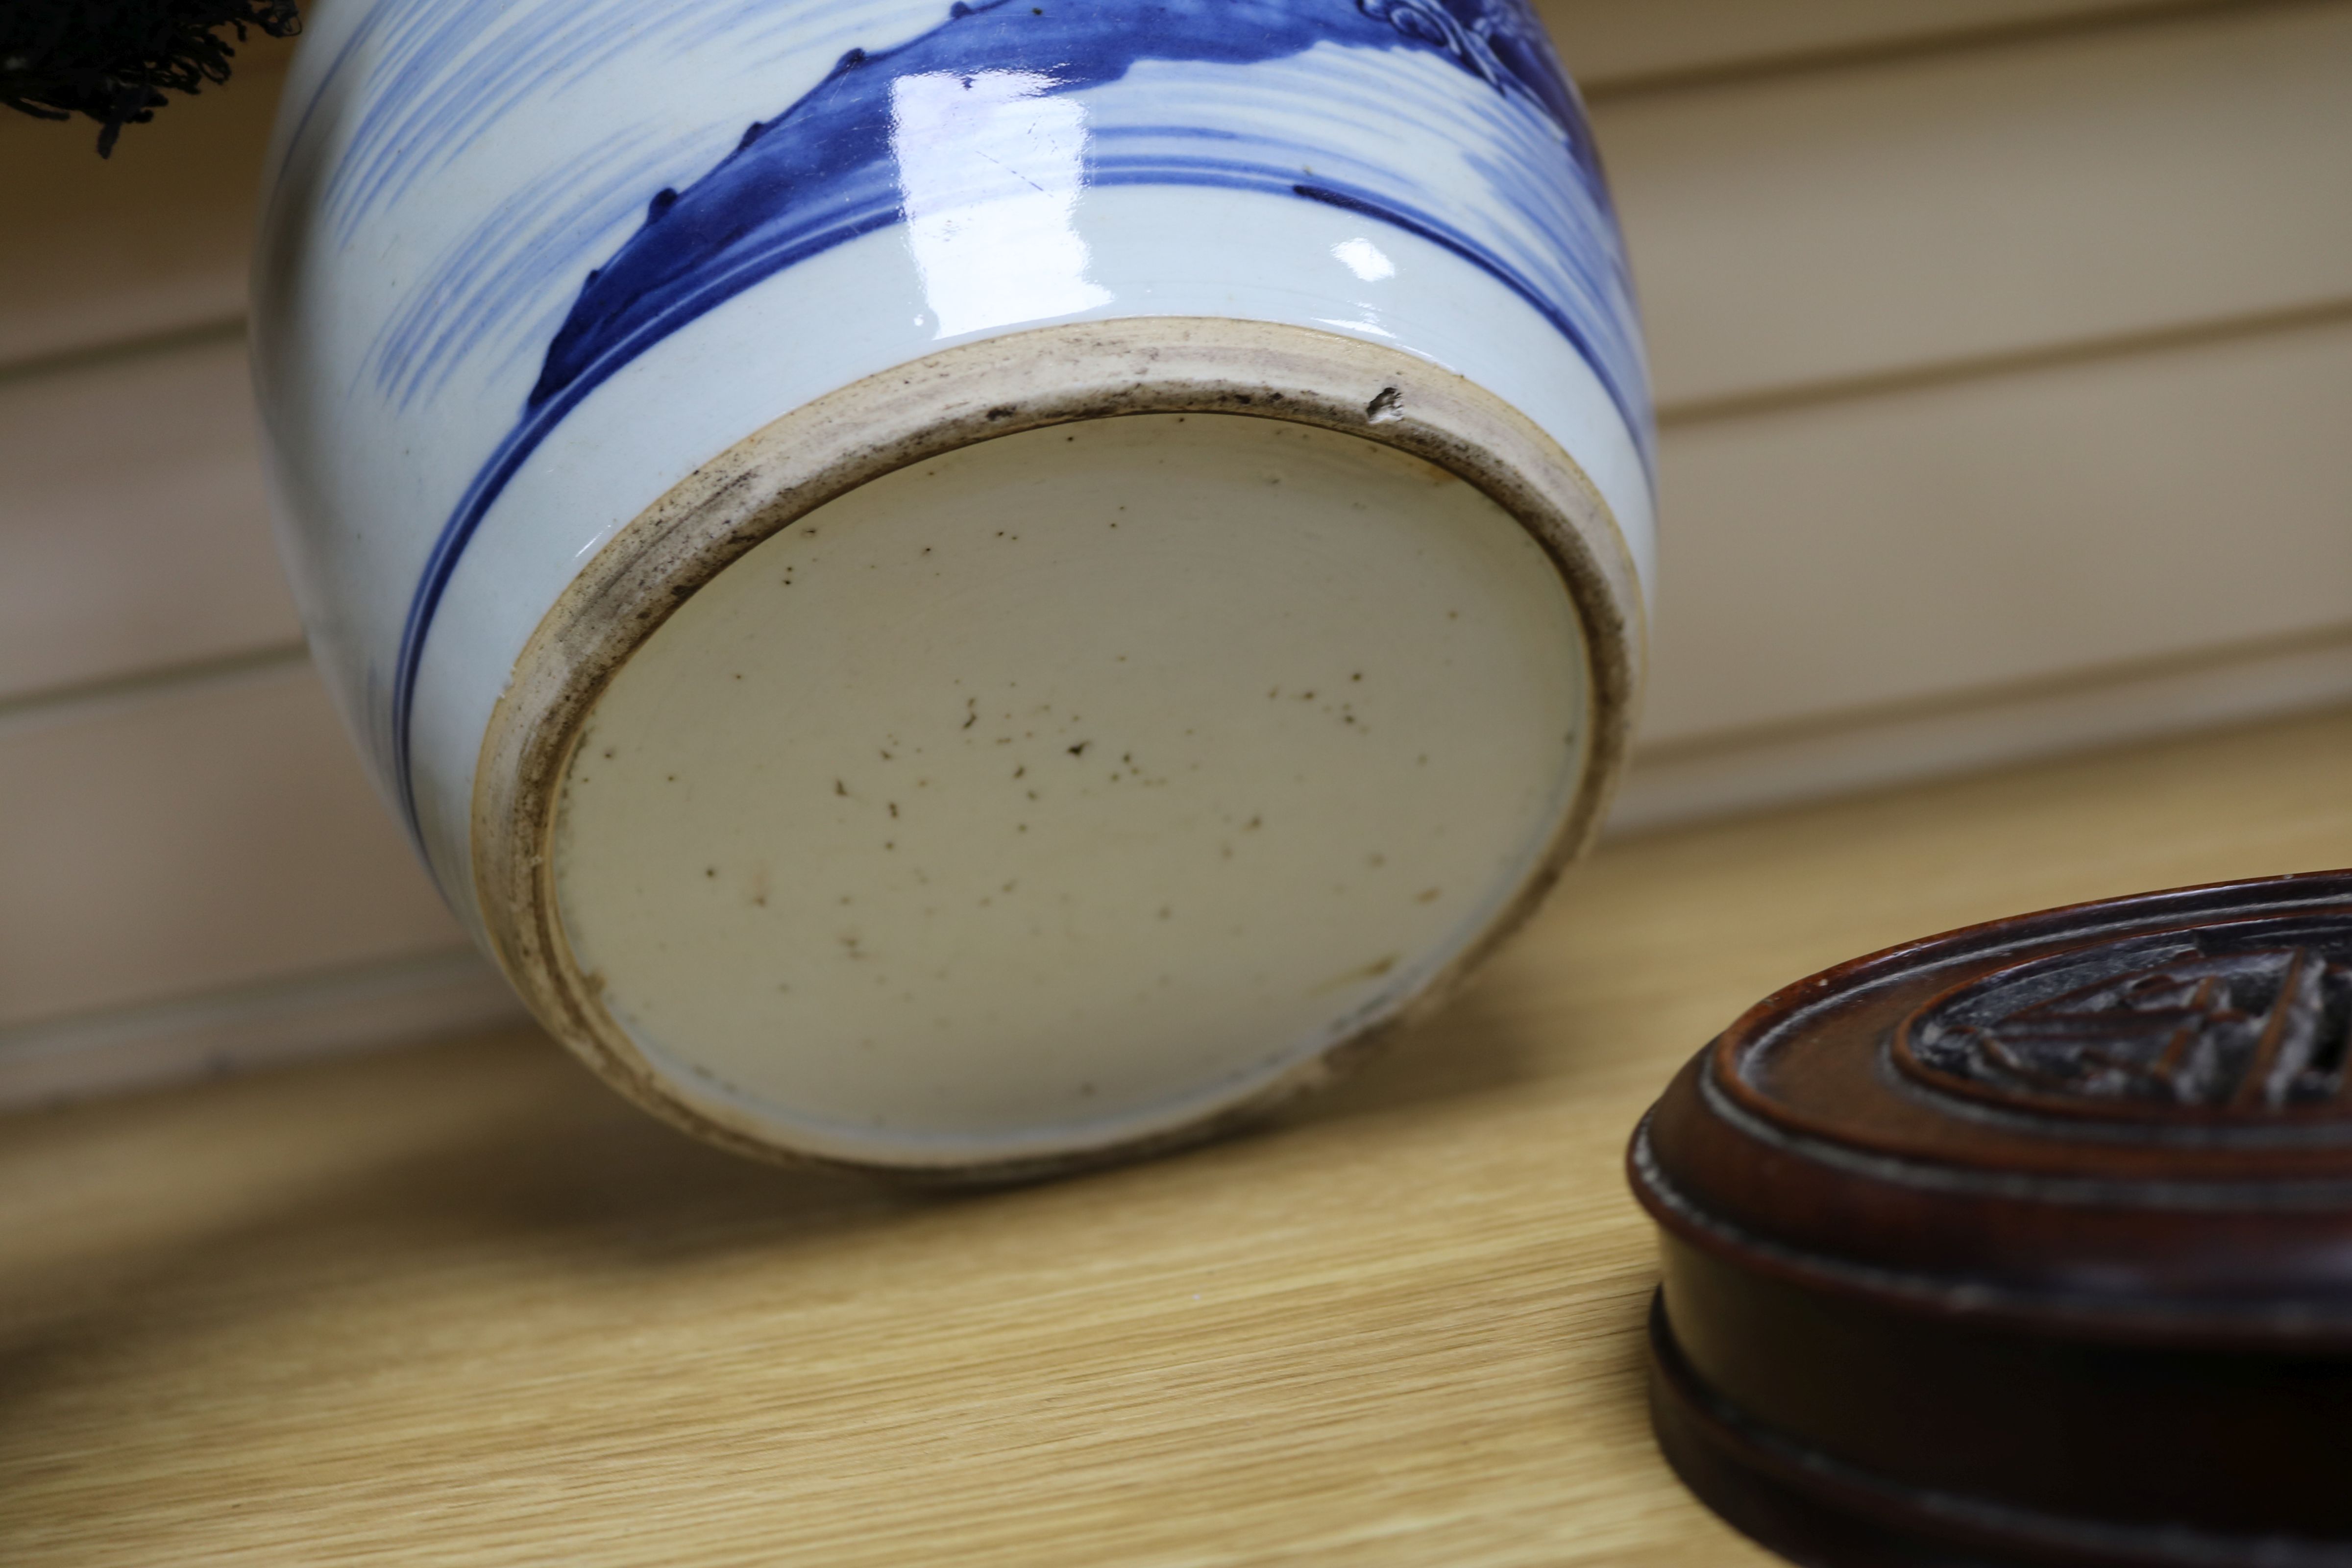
823 172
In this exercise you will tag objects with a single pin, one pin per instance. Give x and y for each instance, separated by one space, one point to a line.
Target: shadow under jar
1017 610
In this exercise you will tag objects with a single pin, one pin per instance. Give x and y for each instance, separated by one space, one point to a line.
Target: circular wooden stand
2027 1244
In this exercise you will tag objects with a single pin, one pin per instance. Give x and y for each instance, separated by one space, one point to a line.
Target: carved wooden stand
2031 1243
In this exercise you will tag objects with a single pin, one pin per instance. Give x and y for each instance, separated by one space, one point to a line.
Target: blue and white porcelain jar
970 588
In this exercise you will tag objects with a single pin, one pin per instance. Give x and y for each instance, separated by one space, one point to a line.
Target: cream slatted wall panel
1805 230
137 534
1991 568
1860 278
2002 346
193 871
1613 44
153 241
2093 513
235 798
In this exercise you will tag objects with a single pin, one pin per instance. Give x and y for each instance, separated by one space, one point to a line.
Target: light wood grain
462 1306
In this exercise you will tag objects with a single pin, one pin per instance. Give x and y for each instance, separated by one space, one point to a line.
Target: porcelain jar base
1235 865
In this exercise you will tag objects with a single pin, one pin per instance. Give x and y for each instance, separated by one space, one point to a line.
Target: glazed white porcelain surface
449 173
1039 706
527 267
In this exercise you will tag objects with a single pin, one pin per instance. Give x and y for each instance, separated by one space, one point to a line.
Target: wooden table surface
460 1305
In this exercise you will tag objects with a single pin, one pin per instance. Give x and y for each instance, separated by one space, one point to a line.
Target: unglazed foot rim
974 393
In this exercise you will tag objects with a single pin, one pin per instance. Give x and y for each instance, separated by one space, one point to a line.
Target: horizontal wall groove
90 698
33 1035
1605 92
64 361
2020 362
1939 749
2004 694
2043 286
301 1016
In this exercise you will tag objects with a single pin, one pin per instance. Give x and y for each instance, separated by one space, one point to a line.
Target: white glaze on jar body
525 271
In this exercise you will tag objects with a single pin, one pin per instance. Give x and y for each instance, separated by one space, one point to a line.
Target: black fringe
114 59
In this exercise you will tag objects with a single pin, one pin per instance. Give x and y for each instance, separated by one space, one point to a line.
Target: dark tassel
114 59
